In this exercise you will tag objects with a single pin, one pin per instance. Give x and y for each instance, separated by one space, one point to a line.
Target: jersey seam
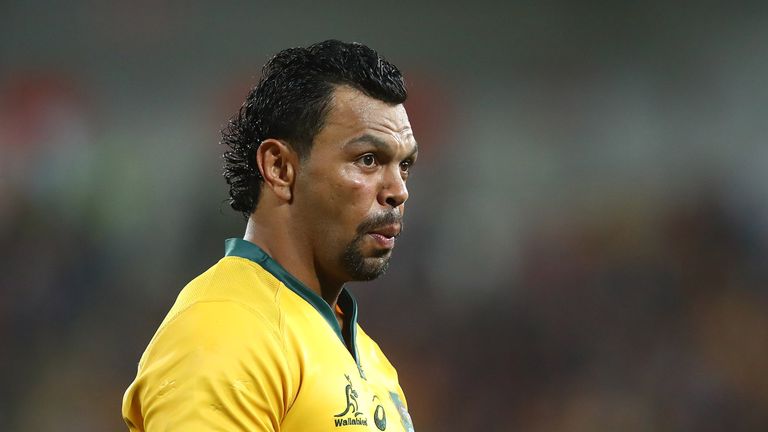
309 296
280 314
280 330
281 325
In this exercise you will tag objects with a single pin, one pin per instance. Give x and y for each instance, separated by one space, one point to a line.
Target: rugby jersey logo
379 415
351 416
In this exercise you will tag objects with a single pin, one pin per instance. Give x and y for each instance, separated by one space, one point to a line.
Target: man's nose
394 191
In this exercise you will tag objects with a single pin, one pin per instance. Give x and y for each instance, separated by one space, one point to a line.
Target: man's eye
405 166
368 160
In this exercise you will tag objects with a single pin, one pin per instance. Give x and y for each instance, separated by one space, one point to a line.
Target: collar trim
245 249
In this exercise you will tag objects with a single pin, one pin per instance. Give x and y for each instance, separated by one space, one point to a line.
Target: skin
311 212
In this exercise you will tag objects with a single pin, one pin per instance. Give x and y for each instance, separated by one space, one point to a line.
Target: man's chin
378 254
364 261
370 268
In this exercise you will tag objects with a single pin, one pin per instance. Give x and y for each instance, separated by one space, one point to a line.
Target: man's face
350 192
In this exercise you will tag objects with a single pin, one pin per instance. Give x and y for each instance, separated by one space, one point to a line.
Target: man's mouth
385 236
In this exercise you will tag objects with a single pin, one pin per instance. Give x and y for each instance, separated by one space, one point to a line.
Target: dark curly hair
291 101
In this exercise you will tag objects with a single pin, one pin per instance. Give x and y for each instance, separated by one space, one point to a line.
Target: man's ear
277 163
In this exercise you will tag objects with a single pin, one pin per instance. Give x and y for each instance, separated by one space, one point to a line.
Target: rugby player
267 339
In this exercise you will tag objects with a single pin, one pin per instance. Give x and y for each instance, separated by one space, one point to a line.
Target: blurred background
585 244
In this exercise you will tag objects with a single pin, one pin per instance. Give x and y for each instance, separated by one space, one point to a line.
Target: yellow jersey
247 347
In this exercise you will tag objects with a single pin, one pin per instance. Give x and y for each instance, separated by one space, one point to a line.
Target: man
267 339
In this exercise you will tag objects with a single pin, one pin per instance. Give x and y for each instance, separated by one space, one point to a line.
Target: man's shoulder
231 291
234 300
233 280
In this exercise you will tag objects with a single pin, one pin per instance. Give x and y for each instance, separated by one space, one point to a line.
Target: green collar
245 249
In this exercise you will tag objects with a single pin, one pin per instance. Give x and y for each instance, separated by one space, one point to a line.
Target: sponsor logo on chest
352 414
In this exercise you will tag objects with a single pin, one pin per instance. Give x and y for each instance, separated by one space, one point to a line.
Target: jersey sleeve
216 366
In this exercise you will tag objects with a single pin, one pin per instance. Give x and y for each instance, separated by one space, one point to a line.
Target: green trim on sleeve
245 249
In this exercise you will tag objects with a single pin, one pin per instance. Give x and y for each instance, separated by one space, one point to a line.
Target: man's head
291 102
325 137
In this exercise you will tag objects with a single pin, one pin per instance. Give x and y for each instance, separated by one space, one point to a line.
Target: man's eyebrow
368 139
380 144
413 152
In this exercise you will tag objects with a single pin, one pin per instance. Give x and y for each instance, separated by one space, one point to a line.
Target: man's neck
284 248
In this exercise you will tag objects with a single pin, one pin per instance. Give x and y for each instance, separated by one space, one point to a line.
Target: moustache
381 220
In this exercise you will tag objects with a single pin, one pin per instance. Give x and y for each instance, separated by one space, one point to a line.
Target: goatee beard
361 268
